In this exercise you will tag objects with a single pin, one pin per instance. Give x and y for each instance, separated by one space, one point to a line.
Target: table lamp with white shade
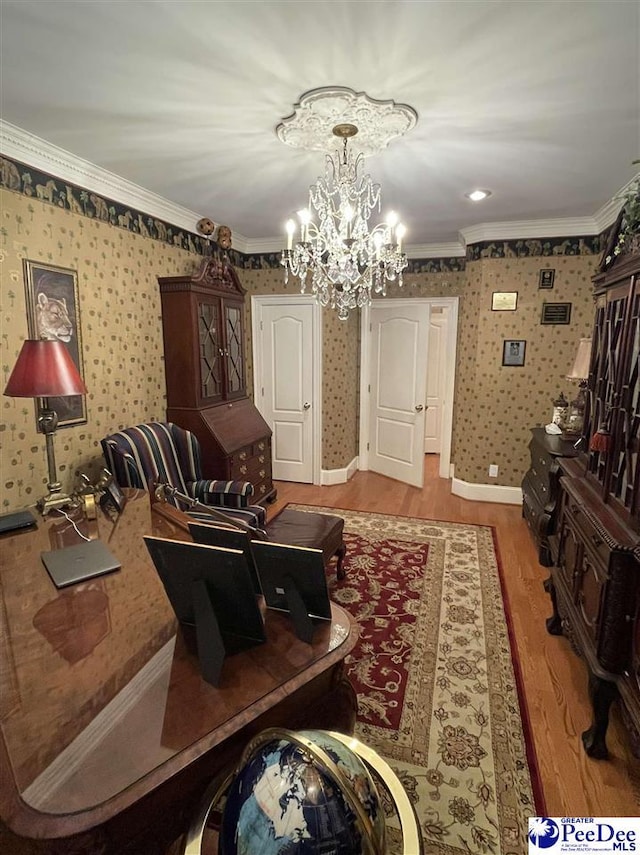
579 372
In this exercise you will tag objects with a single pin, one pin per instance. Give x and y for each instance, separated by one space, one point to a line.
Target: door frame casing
257 302
450 378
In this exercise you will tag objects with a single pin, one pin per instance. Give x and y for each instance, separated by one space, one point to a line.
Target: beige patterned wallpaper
122 346
496 406
121 336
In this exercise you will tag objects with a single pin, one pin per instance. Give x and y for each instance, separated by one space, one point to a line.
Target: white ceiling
537 101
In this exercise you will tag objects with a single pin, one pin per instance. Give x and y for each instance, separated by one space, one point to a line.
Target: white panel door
436 377
398 383
287 388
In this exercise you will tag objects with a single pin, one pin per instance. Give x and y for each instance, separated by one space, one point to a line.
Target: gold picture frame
53 312
504 301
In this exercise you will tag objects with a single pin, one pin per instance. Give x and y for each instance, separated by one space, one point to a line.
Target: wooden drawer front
538 483
262 488
534 513
541 464
591 584
262 447
253 463
571 559
240 458
590 536
250 468
258 471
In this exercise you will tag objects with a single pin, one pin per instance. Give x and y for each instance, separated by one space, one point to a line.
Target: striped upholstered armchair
170 455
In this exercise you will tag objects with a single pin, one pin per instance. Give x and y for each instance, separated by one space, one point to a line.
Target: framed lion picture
53 313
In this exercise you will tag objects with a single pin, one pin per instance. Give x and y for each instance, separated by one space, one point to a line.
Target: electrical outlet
493 471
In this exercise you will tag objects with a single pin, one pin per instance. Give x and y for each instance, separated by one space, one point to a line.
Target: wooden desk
108 734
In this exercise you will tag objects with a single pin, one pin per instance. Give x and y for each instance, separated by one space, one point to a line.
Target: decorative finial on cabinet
206 227
224 239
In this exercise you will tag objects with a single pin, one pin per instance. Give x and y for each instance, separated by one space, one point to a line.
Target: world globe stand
202 837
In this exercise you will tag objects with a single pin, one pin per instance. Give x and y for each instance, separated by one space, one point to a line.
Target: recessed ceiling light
478 195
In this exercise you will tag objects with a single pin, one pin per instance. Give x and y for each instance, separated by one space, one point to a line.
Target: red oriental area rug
435 678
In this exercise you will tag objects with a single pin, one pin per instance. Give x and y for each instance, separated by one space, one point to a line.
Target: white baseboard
338 476
486 492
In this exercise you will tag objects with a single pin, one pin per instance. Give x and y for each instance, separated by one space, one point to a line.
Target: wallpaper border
44 187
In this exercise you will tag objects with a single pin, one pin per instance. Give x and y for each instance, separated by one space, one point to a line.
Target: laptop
78 563
16 520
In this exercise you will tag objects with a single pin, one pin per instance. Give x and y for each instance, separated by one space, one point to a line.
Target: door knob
306 406
419 408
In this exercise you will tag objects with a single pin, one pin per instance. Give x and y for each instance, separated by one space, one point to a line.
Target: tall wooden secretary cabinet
595 585
203 329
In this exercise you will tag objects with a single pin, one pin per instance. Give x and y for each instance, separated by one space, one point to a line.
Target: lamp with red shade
45 369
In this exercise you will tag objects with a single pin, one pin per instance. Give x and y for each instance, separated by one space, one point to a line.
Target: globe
302 793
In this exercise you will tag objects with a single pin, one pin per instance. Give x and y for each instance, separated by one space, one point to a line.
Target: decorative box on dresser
541 489
203 329
595 583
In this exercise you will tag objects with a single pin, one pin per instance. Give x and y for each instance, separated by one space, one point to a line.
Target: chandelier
340 256
337 249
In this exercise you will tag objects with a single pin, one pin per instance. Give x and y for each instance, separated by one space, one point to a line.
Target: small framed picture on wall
546 278
513 350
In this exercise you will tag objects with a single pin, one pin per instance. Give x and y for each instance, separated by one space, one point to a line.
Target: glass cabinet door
615 399
234 351
210 350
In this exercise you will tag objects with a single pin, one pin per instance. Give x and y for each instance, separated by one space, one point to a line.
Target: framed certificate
504 301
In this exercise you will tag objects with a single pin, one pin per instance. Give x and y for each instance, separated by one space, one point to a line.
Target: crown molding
424 250
257 246
608 213
436 250
34 151
530 229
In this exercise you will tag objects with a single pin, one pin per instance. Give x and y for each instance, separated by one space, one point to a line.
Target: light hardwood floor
555 679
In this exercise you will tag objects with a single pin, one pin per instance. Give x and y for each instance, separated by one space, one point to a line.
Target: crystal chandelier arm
342 259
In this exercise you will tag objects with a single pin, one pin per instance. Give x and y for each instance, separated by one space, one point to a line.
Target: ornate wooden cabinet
541 489
203 328
596 584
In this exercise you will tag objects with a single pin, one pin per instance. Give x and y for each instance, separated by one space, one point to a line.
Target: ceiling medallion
317 112
338 255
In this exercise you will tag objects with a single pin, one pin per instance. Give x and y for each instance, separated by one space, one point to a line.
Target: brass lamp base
55 498
52 501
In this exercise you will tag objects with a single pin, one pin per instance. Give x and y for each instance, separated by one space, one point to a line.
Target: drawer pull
261 458
261 446
243 455
243 470
263 488
262 473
